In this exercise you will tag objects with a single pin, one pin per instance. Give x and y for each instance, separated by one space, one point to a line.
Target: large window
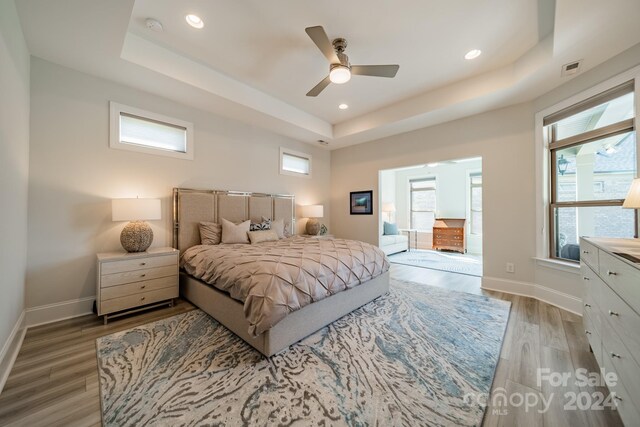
423 203
475 202
593 160
134 129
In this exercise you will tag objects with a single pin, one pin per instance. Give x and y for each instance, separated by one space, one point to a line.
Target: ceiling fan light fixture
339 74
473 54
195 21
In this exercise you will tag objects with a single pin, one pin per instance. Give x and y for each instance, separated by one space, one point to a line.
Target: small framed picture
361 203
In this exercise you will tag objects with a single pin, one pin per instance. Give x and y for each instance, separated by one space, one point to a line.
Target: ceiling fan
340 70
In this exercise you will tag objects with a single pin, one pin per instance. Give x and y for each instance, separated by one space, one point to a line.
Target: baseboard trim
542 293
11 348
59 311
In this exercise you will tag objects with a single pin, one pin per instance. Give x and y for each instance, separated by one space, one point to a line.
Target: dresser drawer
123 303
137 275
589 254
138 264
622 319
622 278
623 363
449 231
138 287
625 403
593 335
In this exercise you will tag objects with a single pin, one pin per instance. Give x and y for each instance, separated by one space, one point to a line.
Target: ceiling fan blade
375 70
321 40
319 87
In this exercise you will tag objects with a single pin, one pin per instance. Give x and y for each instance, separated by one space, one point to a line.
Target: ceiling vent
571 68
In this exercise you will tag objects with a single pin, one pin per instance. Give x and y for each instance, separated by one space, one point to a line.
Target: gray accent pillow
210 233
260 236
390 229
232 233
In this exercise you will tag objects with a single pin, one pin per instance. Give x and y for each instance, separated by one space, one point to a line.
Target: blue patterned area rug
407 358
468 264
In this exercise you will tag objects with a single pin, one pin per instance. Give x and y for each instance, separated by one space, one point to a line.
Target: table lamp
137 234
632 201
389 208
313 212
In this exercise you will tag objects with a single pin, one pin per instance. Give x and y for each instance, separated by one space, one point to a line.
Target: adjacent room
336 213
432 215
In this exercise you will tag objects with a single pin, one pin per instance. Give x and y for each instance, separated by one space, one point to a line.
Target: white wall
14 170
74 174
505 140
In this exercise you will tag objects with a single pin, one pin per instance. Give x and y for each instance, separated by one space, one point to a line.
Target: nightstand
131 282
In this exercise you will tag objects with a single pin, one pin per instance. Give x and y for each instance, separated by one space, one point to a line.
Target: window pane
598 170
423 221
295 164
476 222
423 183
599 116
150 133
424 200
476 198
606 221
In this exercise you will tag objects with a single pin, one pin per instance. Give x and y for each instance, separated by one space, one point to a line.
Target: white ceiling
253 61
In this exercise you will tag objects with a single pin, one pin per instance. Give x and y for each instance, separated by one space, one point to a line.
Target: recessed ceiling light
472 54
195 21
343 106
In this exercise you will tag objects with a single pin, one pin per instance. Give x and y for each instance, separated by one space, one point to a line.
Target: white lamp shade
312 211
135 209
388 207
633 198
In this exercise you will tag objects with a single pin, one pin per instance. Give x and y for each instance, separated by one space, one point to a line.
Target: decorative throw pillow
232 233
390 229
278 227
264 225
260 236
210 233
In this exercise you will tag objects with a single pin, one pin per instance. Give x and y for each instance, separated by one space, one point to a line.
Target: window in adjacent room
294 163
593 158
475 202
423 203
138 130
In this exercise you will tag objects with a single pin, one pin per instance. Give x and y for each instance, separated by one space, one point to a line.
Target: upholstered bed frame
190 207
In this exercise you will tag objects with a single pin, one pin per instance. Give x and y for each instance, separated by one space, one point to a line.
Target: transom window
593 160
294 163
138 130
423 203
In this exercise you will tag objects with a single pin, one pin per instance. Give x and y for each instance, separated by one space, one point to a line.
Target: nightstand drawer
115 279
139 287
138 264
123 303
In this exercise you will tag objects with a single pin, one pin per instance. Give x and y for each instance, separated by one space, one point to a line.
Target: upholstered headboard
190 207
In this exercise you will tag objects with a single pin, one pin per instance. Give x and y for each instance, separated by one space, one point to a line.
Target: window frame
285 151
544 245
411 191
471 210
116 109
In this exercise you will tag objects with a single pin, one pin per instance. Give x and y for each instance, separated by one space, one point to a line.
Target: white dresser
611 316
131 281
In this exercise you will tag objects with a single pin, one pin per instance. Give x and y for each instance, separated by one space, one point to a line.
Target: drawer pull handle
587 332
611 273
586 278
615 396
143 263
143 286
613 313
587 305
142 299
616 355
143 275
585 252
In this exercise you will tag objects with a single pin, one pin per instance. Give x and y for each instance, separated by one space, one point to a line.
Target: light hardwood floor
55 380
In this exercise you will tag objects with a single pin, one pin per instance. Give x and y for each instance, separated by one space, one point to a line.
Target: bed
314 311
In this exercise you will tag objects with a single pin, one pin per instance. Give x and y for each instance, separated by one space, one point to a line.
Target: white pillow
260 236
278 227
232 233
